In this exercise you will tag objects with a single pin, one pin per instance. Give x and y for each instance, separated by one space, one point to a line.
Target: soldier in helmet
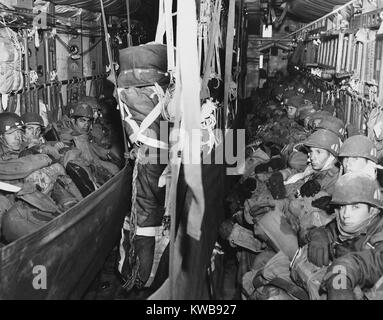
315 182
12 166
341 260
33 125
76 133
352 243
10 134
358 154
292 105
81 117
33 128
16 169
288 220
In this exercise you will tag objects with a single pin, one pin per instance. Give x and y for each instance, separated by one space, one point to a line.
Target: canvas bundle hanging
143 65
11 76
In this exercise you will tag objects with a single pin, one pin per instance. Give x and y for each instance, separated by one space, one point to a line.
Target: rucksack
143 65
11 76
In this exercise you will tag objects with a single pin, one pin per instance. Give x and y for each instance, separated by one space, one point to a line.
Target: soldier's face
291 112
13 139
354 164
352 216
318 158
32 132
83 124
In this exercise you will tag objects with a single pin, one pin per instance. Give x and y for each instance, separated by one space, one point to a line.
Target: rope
130 281
208 122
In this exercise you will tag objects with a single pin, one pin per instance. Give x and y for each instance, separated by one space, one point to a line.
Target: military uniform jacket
362 256
13 168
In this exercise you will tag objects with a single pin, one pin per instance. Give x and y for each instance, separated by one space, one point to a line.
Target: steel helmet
306 111
8 121
92 101
81 109
288 94
357 188
324 139
310 97
301 89
32 118
295 101
332 124
359 146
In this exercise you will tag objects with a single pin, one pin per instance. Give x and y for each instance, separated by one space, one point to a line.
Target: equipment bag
22 219
143 119
11 77
143 65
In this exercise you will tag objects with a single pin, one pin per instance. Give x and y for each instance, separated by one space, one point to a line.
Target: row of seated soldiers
305 217
46 170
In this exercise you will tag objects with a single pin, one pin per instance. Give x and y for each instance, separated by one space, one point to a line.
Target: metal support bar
350 55
47 72
129 36
26 73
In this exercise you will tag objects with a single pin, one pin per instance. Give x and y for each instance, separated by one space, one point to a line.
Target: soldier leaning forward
84 154
294 193
15 221
345 256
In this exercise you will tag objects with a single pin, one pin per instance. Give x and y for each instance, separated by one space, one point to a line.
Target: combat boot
64 199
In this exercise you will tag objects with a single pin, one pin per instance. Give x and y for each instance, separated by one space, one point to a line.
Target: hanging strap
165 26
161 27
169 34
211 49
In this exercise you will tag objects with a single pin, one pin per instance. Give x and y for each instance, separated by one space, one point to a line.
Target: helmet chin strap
5 143
329 163
344 235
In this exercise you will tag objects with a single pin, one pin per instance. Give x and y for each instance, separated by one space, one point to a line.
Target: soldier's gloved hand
322 203
247 187
263 177
276 186
318 250
310 188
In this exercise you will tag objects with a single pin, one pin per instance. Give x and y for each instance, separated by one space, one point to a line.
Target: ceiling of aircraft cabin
112 7
301 10
310 10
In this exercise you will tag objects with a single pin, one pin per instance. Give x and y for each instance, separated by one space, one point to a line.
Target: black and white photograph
187 157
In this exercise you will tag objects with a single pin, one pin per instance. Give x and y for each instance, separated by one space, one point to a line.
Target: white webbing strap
137 134
161 242
165 26
169 34
144 231
161 27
